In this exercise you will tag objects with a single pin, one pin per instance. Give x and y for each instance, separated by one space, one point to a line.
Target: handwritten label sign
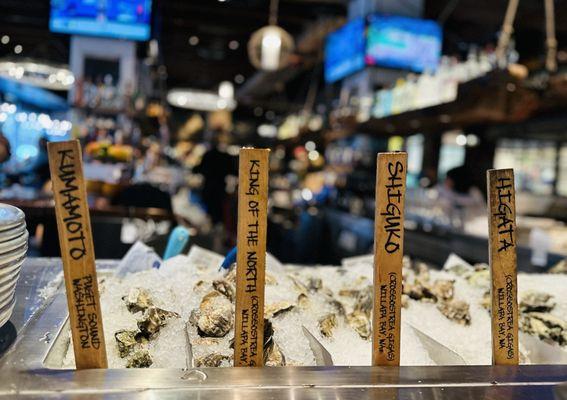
251 257
388 254
502 255
77 254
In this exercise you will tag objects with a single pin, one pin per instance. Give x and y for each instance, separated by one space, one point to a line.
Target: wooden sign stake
77 253
251 257
502 256
388 255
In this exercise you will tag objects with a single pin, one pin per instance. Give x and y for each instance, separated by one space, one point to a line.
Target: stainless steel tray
24 369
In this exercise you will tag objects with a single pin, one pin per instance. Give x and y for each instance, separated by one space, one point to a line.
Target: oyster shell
456 310
327 324
205 341
536 301
337 306
459 269
140 359
480 278
212 360
559 268
349 292
231 275
419 291
303 301
225 287
273 356
214 318
126 341
315 284
299 286
422 271
138 299
194 317
153 320
443 289
486 301
364 302
405 300
275 309
361 324
546 326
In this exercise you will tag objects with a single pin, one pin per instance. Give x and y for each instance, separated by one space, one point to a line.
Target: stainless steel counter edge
23 373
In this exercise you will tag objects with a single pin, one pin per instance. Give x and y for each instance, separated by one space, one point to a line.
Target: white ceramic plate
6 312
9 280
14 255
10 217
10 268
6 297
14 243
12 233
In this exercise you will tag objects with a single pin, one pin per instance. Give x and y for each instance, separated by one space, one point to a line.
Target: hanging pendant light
269 47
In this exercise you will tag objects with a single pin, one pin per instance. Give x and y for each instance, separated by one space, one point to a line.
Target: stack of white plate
13 248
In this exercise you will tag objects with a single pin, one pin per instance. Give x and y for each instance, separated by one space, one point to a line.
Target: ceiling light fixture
239 79
194 40
269 47
226 90
199 100
5 39
37 73
233 45
18 49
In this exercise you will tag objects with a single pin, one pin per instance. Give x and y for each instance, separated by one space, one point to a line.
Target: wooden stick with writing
77 254
388 255
502 256
251 257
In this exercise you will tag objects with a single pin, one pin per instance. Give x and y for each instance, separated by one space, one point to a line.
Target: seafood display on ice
152 316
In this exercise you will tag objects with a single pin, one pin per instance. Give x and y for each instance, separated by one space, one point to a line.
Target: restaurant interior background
162 95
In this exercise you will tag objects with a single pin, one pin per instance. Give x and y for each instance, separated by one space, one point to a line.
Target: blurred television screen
344 51
123 19
403 43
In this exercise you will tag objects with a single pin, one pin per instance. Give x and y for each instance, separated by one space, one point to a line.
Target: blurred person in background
5 150
216 167
460 198
459 191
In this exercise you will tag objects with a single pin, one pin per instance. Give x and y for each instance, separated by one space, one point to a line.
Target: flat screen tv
344 51
403 43
121 19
